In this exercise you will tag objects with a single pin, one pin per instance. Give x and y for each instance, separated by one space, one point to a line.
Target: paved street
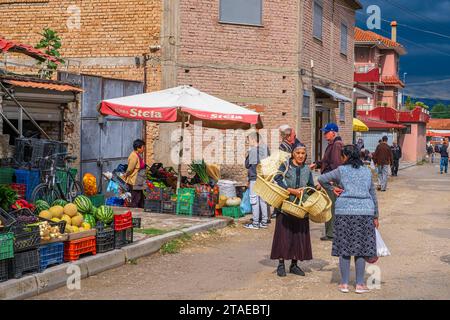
234 262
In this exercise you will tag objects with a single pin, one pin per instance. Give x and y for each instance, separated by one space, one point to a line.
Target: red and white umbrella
178 105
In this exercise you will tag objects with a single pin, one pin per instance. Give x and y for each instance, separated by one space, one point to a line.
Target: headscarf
297 145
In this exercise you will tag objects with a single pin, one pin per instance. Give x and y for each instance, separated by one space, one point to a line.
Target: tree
409 103
51 42
440 111
421 104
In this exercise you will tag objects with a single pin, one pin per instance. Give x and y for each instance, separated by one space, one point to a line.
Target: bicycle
52 189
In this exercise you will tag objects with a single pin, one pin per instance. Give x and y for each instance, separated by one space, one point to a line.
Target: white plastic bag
372 165
382 249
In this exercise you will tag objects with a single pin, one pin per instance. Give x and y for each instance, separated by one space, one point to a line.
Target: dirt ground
234 263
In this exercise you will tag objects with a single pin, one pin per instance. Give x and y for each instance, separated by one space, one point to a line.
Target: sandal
343 288
360 289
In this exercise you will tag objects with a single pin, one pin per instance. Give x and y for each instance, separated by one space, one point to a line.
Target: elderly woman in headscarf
289 138
291 240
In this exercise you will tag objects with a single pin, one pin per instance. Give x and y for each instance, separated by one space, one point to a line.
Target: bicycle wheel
74 189
44 192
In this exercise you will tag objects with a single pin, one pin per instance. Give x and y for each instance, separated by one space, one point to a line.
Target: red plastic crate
75 248
21 189
123 221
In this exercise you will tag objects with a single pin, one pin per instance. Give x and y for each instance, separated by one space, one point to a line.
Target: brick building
292 60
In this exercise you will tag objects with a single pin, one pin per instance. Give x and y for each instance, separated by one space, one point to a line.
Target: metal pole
180 158
20 124
25 111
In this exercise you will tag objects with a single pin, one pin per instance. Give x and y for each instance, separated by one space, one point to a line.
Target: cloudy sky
427 62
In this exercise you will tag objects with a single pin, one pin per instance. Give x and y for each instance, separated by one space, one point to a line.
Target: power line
428 82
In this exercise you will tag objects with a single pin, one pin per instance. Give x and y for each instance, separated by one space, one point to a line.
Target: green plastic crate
61 177
234 212
184 207
6 245
97 200
6 175
186 195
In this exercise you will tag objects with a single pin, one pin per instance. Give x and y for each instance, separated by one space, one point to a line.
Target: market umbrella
359 126
178 105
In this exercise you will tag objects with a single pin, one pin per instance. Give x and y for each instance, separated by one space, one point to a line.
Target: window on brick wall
318 16
247 12
342 111
306 104
344 39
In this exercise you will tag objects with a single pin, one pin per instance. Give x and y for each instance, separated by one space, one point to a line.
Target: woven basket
324 216
316 202
294 209
270 165
270 192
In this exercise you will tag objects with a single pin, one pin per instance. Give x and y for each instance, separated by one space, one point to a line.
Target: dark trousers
137 198
330 224
394 167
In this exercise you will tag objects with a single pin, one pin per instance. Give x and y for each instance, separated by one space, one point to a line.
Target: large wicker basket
324 216
270 165
295 208
270 192
316 202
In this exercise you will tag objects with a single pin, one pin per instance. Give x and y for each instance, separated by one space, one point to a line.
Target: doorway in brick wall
320 144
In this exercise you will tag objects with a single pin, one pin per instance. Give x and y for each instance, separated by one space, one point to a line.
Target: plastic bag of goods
227 188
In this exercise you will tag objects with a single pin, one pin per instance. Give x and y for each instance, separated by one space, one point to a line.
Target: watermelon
94 211
41 205
105 214
59 202
83 204
89 218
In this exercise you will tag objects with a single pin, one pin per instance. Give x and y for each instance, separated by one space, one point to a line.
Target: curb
408 166
58 276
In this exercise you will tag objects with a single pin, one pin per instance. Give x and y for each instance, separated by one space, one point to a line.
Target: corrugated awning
42 85
378 124
333 94
438 133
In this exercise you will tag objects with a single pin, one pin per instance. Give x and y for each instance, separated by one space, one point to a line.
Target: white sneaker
251 226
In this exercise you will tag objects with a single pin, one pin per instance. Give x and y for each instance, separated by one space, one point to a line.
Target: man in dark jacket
382 157
330 161
445 149
396 156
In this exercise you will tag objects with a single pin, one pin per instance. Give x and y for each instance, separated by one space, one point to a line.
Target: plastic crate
26 238
31 178
23 151
123 238
6 245
203 210
137 223
123 221
105 239
6 175
152 206
4 270
186 195
7 220
27 212
234 212
184 208
50 255
21 189
168 207
24 263
97 200
62 176
75 248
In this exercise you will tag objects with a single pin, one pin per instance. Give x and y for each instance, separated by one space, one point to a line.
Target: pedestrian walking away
444 151
330 161
257 152
135 174
430 152
396 156
291 239
383 158
356 216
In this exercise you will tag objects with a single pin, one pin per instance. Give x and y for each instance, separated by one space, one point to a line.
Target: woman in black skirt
291 240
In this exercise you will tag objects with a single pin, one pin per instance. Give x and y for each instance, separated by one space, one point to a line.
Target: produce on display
200 169
70 210
27 219
90 184
89 218
233 202
56 211
46 214
213 171
47 232
59 202
7 197
83 204
105 214
22 204
41 205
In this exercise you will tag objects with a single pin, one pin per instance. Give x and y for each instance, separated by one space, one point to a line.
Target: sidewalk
156 230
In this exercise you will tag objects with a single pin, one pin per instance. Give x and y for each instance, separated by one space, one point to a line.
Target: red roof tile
40 85
439 124
392 80
7 45
366 36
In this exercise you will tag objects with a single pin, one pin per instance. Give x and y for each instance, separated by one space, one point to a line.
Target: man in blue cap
331 160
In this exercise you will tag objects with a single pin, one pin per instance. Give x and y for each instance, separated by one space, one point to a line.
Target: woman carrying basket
291 240
356 215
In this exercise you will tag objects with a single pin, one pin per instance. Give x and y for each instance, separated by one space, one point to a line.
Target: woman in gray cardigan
356 215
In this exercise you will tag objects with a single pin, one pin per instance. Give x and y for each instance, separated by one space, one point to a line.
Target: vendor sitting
135 174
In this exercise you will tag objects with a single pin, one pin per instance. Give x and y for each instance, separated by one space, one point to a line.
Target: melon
68 229
74 229
83 204
81 229
55 220
56 211
41 205
45 214
77 221
86 226
88 218
70 209
59 202
67 219
105 214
